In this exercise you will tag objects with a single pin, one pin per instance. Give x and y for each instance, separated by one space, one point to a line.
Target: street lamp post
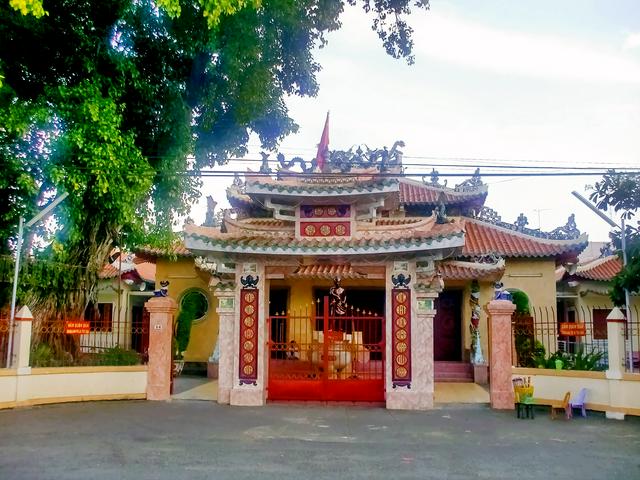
623 239
16 270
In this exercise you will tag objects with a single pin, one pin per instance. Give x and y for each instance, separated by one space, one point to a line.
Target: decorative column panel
248 355
226 310
249 338
409 353
616 326
22 340
500 386
161 310
401 337
616 322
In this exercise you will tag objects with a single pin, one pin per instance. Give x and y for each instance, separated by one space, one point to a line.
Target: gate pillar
500 385
249 337
226 295
409 346
161 310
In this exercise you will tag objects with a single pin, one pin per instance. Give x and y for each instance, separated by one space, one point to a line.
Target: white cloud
632 41
509 52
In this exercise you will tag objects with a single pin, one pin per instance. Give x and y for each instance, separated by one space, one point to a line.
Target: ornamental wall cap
161 305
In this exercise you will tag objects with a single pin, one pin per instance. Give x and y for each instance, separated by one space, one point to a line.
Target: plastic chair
564 405
578 401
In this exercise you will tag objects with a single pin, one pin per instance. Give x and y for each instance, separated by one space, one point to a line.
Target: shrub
572 361
119 356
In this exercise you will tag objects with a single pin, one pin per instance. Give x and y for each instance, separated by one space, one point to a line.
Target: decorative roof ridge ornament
212 218
237 181
264 166
286 166
569 231
434 179
441 212
340 161
250 281
471 184
607 250
401 281
489 259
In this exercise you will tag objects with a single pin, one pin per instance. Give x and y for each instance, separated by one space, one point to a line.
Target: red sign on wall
401 340
77 327
570 329
248 336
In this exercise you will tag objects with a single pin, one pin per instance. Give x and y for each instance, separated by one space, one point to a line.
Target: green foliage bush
571 361
116 356
43 356
521 301
189 309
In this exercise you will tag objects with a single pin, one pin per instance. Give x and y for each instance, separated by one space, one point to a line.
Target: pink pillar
160 334
500 386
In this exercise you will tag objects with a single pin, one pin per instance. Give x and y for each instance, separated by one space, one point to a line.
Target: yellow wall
535 277
182 276
589 301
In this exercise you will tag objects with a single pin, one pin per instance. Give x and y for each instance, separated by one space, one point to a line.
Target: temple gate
327 356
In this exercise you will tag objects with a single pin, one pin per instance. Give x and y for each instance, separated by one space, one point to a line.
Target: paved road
182 439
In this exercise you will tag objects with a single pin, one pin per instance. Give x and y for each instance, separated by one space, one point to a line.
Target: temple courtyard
200 439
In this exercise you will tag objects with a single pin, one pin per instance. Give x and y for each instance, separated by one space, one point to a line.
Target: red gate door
325 358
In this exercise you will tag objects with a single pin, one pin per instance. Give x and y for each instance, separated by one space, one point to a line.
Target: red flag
323 146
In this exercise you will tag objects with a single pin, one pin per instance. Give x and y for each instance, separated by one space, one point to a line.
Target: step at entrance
453 372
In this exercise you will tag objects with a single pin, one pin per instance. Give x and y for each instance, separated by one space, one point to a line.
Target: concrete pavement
195 439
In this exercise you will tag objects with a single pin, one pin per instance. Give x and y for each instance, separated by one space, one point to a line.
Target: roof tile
414 193
602 269
483 238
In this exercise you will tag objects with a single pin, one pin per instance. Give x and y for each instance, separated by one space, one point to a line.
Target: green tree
113 100
622 192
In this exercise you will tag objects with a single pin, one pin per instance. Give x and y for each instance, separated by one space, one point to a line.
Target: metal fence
97 338
106 334
542 337
5 334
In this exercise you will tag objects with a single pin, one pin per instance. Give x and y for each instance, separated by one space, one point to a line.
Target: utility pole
16 271
623 237
538 210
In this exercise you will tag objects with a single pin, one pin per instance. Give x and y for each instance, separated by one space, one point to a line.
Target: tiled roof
146 270
457 270
326 271
483 238
602 269
285 243
108 271
332 187
416 193
177 249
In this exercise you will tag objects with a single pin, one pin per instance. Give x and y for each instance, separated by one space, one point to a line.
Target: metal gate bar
326 358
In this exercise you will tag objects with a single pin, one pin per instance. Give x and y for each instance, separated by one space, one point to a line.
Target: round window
197 302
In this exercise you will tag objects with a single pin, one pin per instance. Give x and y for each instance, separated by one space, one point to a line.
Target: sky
532 83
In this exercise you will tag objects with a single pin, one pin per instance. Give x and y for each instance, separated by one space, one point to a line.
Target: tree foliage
114 100
622 193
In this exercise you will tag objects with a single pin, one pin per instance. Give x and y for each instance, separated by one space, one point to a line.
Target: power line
231 173
619 168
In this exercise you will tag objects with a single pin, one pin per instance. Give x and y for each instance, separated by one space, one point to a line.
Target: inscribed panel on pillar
401 337
248 336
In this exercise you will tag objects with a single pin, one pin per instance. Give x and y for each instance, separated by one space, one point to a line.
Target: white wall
71 384
620 396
